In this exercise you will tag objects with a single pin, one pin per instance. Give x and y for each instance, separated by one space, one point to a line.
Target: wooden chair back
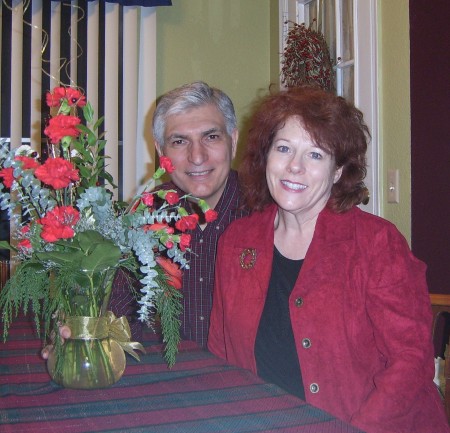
440 305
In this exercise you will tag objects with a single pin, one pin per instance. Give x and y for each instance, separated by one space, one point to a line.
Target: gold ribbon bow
118 329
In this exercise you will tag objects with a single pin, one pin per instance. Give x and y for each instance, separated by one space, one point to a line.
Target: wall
226 43
233 44
394 111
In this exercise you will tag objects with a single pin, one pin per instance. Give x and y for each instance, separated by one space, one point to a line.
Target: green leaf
101 257
98 123
5 246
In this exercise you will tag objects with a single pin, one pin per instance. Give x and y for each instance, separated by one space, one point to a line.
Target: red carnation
147 199
54 98
172 198
210 215
58 223
7 174
166 164
27 162
185 241
57 172
188 222
75 97
62 126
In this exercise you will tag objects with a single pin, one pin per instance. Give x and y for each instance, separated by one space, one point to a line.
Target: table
200 394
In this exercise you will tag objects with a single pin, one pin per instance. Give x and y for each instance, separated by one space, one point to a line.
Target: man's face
201 151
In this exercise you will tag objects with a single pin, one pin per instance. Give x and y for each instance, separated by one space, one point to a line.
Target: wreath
306 58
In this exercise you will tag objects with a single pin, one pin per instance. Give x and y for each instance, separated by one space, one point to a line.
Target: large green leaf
101 256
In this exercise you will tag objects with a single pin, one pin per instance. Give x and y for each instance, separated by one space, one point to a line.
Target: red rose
188 222
185 241
172 198
147 199
210 215
57 172
172 271
58 223
27 162
54 99
62 126
166 164
7 174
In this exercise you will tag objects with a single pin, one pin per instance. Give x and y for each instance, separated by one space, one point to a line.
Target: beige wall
233 44
394 100
223 42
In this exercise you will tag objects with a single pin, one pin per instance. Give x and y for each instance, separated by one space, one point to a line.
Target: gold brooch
247 258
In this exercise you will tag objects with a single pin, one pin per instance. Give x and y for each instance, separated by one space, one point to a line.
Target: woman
314 294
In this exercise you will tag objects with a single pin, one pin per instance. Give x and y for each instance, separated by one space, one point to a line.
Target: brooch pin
247 258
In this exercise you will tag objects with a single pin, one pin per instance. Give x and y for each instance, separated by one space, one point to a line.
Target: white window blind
106 49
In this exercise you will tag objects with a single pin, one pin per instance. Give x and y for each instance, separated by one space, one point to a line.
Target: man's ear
234 141
158 149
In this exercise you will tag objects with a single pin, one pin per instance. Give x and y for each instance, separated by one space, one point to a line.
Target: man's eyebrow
216 129
176 136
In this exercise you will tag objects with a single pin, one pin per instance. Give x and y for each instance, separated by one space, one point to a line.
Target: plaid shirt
198 280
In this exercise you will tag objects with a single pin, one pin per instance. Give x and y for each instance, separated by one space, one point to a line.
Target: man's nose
198 153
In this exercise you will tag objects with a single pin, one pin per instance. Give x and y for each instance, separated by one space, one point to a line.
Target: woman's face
299 174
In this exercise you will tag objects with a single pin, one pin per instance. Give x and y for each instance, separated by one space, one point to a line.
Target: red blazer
362 302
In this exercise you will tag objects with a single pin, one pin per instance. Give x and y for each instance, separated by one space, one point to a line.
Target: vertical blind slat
129 97
16 74
146 94
92 54
111 88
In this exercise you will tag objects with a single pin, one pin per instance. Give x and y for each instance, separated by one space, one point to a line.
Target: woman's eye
282 148
316 155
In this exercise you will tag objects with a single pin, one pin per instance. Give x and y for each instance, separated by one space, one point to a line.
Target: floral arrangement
71 236
306 58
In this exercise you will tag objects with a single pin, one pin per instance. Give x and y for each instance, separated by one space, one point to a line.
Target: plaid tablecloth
201 394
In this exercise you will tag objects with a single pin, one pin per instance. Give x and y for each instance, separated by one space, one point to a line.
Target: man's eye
213 136
177 142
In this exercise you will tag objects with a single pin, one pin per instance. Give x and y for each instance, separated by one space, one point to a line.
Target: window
349 27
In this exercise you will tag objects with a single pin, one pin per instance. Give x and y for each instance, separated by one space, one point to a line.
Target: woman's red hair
333 124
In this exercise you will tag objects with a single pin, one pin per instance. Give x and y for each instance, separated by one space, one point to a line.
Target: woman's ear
337 174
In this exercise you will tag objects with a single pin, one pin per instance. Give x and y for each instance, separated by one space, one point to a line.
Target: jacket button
314 388
306 343
298 302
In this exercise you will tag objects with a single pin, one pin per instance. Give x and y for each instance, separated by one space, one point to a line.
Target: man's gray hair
189 96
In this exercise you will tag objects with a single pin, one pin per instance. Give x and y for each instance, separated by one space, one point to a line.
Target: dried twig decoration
306 59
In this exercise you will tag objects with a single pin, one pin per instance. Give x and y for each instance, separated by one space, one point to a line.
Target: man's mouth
198 173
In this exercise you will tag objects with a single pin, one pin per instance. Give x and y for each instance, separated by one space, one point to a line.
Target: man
195 126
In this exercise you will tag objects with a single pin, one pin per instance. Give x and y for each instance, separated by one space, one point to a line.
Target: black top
275 352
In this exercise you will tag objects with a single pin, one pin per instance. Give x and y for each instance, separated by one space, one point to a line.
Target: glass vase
89 359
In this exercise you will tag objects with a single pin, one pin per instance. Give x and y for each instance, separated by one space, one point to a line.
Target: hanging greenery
306 58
